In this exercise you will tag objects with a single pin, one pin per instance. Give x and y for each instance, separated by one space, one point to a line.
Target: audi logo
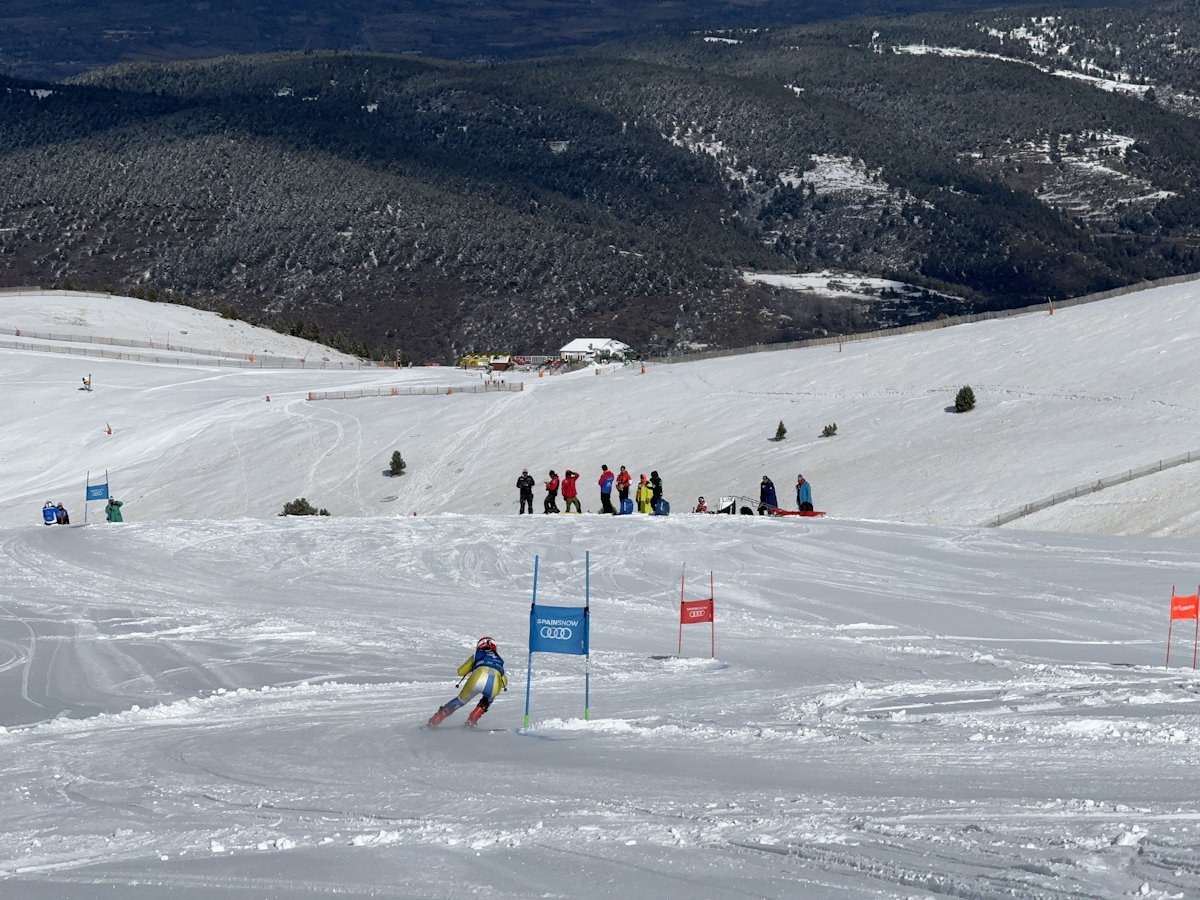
697 613
556 634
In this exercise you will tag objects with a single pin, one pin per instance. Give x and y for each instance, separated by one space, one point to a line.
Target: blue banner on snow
97 491
558 629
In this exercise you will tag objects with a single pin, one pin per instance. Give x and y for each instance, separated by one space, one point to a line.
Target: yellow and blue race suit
485 677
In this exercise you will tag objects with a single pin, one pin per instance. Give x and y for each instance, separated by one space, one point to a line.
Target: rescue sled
778 510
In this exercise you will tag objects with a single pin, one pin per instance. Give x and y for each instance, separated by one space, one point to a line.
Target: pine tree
780 432
301 507
964 400
398 463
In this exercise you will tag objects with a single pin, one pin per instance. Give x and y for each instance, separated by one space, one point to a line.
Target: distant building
594 348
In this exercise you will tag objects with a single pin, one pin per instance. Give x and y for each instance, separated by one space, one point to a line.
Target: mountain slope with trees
440 207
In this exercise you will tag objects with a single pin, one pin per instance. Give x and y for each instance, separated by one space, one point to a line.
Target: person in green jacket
112 512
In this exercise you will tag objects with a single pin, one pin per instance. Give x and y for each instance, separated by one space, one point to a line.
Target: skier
484 673
624 480
570 493
606 486
525 486
767 502
50 513
803 494
551 503
644 494
112 512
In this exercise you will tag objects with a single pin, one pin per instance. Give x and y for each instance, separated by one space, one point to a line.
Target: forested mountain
985 160
55 39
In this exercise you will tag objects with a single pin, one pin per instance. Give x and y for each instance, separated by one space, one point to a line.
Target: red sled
751 503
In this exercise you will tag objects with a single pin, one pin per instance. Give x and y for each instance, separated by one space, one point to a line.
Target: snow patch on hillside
837 174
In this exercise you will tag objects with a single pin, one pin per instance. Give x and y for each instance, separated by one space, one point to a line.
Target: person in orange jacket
624 480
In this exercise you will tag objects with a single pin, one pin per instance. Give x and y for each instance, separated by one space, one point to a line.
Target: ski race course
212 701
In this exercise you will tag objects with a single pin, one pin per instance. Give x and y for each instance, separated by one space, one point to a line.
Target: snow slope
210 701
1063 400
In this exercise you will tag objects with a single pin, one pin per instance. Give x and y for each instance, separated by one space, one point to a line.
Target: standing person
551 503
803 494
624 480
525 486
656 492
606 486
112 512
767 501
570 493
484 672
61 515
701 506
644 494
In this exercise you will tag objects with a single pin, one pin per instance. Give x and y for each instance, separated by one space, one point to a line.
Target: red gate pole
1170 625
679 652
1196 638
712 598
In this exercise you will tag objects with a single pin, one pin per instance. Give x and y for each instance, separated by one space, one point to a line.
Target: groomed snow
211 701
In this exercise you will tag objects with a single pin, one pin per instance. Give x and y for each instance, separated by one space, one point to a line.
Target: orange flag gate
697 611
1184 608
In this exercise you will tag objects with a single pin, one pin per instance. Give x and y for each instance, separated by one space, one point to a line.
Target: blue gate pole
529 664
587 625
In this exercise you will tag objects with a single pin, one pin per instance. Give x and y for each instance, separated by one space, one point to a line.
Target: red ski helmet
486 643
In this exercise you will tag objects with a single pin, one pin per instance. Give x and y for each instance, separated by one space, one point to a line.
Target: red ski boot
439 717
473 718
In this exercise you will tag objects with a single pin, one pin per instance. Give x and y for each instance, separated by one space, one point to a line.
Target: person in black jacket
525 486
656 491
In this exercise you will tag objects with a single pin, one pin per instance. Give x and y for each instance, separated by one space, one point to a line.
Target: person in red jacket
624 480
551 504
570 495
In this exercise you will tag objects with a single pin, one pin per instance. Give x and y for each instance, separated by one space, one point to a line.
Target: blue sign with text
559 629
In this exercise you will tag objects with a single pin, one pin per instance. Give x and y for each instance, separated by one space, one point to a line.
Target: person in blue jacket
767 501
803 494
606 486
485 677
